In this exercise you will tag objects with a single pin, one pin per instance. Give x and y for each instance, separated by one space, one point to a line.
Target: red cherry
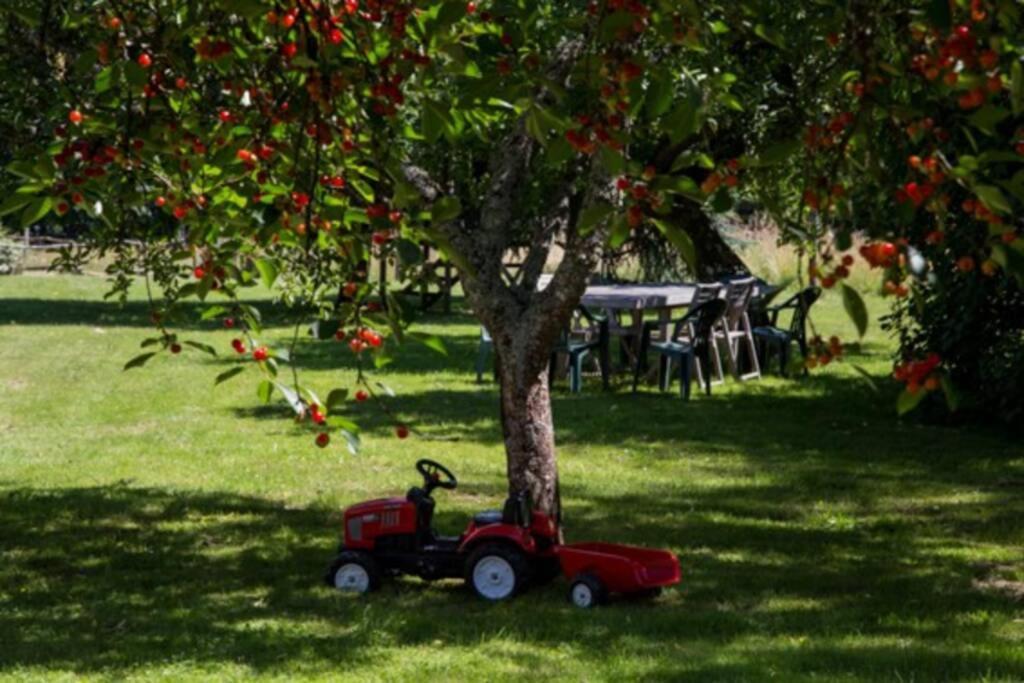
470 8
288 20
260 354
238 345
336 36
75 116
229 323
175 348
114 23
289 50
322 439
144 60
180 83
199 272
357 345
316 416
361 396
340 335
401 431
224 115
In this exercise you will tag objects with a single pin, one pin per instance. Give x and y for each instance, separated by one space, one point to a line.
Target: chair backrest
700 321
802 302
737 296
706 291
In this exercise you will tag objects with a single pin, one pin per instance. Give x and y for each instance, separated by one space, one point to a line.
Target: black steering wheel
432 472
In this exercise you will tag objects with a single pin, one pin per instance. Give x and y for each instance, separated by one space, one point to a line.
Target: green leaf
993 198
14 202
1011 260
264 390
869 379
291 397
352 441
680 240
908 401
950 392
340 422
431 341
139 361
592 215
433 123
778 152
659 94
683 121
213 312
336 399
619 232
228 374
268 271
855 308
445 210
205 348
987 118
770 35
1017 88
35 211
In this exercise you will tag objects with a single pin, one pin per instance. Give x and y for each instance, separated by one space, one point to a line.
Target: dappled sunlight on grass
152 526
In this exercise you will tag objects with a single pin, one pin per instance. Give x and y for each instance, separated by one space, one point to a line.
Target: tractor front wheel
354 572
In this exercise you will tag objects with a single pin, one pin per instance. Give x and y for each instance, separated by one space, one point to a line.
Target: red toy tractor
499 554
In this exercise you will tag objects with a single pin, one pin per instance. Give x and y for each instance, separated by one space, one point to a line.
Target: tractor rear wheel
497 571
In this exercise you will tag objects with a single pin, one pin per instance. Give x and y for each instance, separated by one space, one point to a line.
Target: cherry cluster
920 373
822 353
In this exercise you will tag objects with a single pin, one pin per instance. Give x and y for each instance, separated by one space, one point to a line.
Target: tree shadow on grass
111 579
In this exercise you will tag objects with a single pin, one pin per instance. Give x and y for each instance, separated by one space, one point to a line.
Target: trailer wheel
354 572
496 571
587 591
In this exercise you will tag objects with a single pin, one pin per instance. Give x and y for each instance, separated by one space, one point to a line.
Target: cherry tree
222 144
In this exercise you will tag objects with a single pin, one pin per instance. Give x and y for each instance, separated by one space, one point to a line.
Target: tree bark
529 434
715 258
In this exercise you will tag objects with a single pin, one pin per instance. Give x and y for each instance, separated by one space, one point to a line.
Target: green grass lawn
152 526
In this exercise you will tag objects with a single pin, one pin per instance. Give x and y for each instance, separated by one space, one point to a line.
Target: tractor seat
487 517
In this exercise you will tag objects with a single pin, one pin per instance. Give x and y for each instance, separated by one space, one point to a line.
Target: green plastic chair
577 349
772 338
690 342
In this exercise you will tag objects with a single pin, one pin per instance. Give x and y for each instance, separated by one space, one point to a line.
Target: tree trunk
529 433
715 258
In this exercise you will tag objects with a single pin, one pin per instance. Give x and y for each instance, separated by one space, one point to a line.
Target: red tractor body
498 554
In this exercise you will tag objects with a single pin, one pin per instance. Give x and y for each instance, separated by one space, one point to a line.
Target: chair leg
784 359
483 350
606 362
636 373
664 372
717 360
576 371
684 376
707 383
